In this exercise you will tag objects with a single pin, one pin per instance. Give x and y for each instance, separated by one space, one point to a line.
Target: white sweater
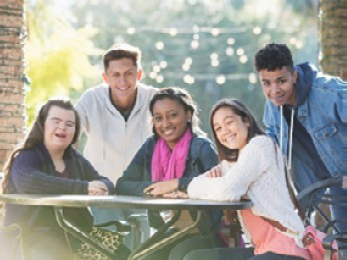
258 175
112 142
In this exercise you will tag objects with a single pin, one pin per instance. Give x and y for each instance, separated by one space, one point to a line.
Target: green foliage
57 55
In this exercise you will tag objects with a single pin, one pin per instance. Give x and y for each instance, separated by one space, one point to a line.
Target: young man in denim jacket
304 106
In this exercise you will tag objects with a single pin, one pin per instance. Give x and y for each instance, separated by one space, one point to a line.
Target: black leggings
235 254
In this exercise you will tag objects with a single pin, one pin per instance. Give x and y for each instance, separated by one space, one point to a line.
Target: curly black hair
272 57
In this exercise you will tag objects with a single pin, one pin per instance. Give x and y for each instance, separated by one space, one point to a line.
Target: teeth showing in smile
279 98
168 132
230 138
61 135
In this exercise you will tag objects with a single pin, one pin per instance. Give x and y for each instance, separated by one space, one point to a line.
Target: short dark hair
272 57
120 51
241 110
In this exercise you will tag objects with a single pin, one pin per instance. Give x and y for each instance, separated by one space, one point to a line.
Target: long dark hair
241 110
36 133
181 96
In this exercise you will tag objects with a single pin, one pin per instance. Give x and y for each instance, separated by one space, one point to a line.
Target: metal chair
311 200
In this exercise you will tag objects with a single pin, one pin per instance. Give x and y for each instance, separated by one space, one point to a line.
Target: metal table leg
150 246
81 235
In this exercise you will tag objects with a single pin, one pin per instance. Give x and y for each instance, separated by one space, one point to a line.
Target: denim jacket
320 113
201 158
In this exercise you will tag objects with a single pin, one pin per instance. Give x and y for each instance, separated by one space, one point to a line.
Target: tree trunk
12 110
334 37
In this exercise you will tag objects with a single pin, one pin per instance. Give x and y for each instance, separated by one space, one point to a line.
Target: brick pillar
334 37
12 110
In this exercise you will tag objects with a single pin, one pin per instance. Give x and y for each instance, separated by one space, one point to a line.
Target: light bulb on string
160 79
188 79
188 61
240 51
252 78
229 51
257 30
159 45
194 44
152 75
215 32
299 44
231 41
214 63
131 30
185 67
156 68
173 32
292 40
214 56
220 79
243 59
163 64
196 36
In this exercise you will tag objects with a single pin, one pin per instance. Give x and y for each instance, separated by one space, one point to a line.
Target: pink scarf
167 164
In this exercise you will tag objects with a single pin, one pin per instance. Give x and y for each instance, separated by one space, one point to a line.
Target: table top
116 201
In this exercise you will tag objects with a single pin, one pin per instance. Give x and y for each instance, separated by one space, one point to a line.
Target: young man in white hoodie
114 115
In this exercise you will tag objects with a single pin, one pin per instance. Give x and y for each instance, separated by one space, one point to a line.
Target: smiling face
59 129
230 129
170 120
278 86
122 76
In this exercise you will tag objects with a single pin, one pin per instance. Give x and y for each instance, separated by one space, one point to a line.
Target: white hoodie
112 142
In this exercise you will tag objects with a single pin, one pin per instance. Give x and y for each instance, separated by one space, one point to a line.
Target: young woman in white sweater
251 166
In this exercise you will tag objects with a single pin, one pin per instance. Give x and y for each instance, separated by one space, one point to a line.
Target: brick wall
12 110
334 37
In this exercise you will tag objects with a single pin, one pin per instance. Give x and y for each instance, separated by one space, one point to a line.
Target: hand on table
160 188
176 195
97 188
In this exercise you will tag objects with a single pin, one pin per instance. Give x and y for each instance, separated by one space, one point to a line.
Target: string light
214 63
257 30
163 64
215 32
292 40
229 51
299 44
196 36
231 41
252 78
131 30
185 67
189 61
240 51
220 79
159 45
194 44
173 32
152 75
243 59
214 56
160 79
188 79
156 68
